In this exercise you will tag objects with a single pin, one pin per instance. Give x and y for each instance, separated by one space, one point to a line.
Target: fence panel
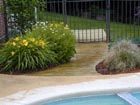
125 20
91 20
86 18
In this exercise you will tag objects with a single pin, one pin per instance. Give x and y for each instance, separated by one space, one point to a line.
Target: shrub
22 53
21 13
123 56
60 38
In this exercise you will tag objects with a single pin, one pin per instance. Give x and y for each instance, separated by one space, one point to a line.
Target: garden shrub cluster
60 38
44 45
123 56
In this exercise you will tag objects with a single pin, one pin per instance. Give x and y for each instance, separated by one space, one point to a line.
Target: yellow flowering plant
60 38
21 54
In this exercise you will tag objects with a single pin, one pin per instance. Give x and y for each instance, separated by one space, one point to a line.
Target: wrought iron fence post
5 21
65 11
108 20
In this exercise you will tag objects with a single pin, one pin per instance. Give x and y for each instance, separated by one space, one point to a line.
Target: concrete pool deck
35 88
10 84
29 88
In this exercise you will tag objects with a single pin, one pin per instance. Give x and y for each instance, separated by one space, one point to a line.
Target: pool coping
101 86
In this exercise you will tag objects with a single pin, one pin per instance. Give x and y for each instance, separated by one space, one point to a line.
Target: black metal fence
86 18
97 20
94 20
125 19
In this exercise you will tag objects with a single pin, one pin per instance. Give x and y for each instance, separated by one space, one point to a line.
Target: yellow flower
14 44
16 39
36 42
66 27
12 53
25 42
42 43
51 25
33 39
18 46
30 46
56 25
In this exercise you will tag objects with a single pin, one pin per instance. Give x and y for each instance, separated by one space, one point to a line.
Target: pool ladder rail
129 98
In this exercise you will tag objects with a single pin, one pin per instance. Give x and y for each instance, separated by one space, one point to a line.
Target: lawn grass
118 30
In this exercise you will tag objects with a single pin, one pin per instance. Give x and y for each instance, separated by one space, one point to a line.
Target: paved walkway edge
102 86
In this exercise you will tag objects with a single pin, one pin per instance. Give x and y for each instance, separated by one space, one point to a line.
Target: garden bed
102 69
43 47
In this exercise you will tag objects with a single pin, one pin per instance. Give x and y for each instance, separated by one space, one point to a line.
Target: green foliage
62 41
60 38
22 12
22 53
44 45
123 56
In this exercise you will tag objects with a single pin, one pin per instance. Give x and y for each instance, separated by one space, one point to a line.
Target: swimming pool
115 99
136 94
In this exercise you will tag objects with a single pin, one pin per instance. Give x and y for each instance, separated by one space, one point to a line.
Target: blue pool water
91 100
137 95
99 100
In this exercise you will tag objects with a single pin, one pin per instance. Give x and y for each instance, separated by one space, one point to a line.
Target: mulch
18 72
102 69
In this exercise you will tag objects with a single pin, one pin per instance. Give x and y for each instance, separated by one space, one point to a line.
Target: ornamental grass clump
22 54
122 57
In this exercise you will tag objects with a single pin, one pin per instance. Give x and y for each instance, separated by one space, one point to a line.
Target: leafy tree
21 13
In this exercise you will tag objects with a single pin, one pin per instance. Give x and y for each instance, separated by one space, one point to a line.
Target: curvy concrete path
81 69
88 55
